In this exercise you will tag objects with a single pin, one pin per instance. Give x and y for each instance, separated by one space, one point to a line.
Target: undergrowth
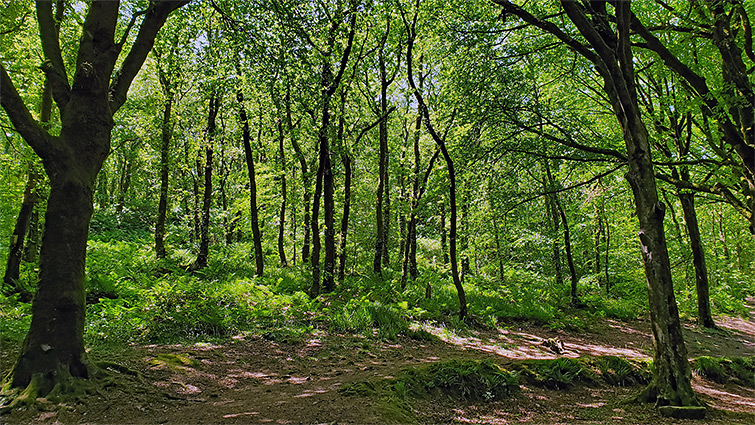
133 297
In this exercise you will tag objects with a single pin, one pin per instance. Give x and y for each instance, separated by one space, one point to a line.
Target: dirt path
255 380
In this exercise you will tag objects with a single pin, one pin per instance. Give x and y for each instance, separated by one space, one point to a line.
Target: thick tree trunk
54 347
704 317
162 206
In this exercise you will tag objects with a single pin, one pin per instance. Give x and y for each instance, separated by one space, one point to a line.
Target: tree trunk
249 155
19 235
124 183
204 227
346 161
306 179
610 53
443 233
53 349
284 195
556 249
569 255
704 317
597 238
31 248
162 206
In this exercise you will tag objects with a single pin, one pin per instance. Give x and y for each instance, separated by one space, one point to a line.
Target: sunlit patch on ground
722 397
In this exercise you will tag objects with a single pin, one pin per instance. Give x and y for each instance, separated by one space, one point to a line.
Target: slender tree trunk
596 240
31 248
195 186
315 258
443 233
19 234
249 156
346 161
124 183
556 249
284 196
162 207
704 317
204 228
569 255
306 179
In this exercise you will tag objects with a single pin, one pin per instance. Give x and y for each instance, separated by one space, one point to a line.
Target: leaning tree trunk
704 317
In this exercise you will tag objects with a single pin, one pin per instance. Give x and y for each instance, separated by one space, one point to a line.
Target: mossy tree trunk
53 349
609 49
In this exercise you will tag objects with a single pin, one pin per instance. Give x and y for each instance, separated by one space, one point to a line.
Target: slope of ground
253 379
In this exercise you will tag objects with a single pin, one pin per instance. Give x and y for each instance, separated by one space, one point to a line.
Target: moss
621 372
739 370
459 379
455 379
555 373
173 361
565 372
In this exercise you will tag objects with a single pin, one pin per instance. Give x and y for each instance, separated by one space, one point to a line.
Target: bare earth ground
249 379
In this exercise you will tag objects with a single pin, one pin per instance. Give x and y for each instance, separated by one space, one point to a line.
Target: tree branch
53 67
20 117
153 21
548 27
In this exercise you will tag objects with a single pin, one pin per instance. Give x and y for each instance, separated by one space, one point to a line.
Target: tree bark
346 161
704 316
53 349
12 268
611 55
253 211
411 29
162 206
306 179
204 228
284 196
324 184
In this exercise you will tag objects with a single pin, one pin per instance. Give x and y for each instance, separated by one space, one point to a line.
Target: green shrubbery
134 297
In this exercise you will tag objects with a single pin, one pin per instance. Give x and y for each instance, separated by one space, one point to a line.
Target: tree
53 350
608 48
440 141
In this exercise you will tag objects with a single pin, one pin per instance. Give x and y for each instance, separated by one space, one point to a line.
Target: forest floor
263 379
